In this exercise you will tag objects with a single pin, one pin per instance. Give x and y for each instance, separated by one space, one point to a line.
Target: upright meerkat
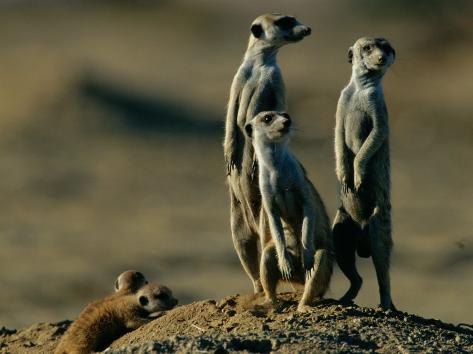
257 86
363 221
103 321
294 226
130 281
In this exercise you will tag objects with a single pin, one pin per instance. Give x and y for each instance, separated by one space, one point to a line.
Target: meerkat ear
350 55
249 129
257 30
116 284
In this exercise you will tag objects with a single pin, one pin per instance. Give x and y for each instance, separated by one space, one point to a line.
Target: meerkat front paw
231 165
285 266
358 180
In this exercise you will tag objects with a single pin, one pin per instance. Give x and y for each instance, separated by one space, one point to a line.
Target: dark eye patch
143 300
368 47
285 23
267 119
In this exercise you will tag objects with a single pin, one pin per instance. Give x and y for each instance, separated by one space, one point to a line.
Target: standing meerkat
363 221
257 86
294 226
130 281
103 321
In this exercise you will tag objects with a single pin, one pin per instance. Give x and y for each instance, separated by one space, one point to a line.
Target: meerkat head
270 127
372 54
154 297
130 281
277 30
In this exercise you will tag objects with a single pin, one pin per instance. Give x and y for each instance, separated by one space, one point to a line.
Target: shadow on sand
147 114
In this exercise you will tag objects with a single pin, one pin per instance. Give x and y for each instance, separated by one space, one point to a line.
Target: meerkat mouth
285 130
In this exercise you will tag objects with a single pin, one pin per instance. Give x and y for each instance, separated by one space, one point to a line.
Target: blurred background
111 127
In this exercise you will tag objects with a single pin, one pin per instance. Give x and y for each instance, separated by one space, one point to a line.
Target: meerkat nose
307 31
287 123
381 59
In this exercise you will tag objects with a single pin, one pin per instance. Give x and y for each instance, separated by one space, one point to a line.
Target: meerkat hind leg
345 232
318 280
246 244
271 274
381 244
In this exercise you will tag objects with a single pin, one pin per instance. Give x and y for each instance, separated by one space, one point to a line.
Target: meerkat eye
368 47
162 296
285 23
143 300
267 119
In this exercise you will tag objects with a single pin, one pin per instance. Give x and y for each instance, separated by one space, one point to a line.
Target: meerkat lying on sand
103 321
363 221
295 229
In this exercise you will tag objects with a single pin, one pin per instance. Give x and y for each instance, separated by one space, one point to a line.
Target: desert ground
111 120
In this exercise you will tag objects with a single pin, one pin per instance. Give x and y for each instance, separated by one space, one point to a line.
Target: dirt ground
111 120
242 324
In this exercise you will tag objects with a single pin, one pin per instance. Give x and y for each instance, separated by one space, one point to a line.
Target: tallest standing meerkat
363 221
257 86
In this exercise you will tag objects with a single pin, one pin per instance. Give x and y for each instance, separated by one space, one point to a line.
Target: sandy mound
239 323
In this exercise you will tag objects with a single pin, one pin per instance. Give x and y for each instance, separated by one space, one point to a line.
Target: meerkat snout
286 122
381 59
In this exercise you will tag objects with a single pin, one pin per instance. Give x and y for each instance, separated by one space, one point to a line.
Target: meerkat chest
358 123
284 196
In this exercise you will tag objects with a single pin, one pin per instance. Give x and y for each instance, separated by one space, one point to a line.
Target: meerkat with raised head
257 86
294 226
130 281
103 321
363 221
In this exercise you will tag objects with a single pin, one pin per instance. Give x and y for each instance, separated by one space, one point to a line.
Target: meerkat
103 321
257 86
295 229
130 281
363 221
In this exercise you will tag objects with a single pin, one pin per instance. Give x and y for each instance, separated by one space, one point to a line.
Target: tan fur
103 321
363 221
130 281
257 86
296 236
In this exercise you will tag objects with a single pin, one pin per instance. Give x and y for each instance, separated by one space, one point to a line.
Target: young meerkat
294 226
257 86
103 321
130 281
363 221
